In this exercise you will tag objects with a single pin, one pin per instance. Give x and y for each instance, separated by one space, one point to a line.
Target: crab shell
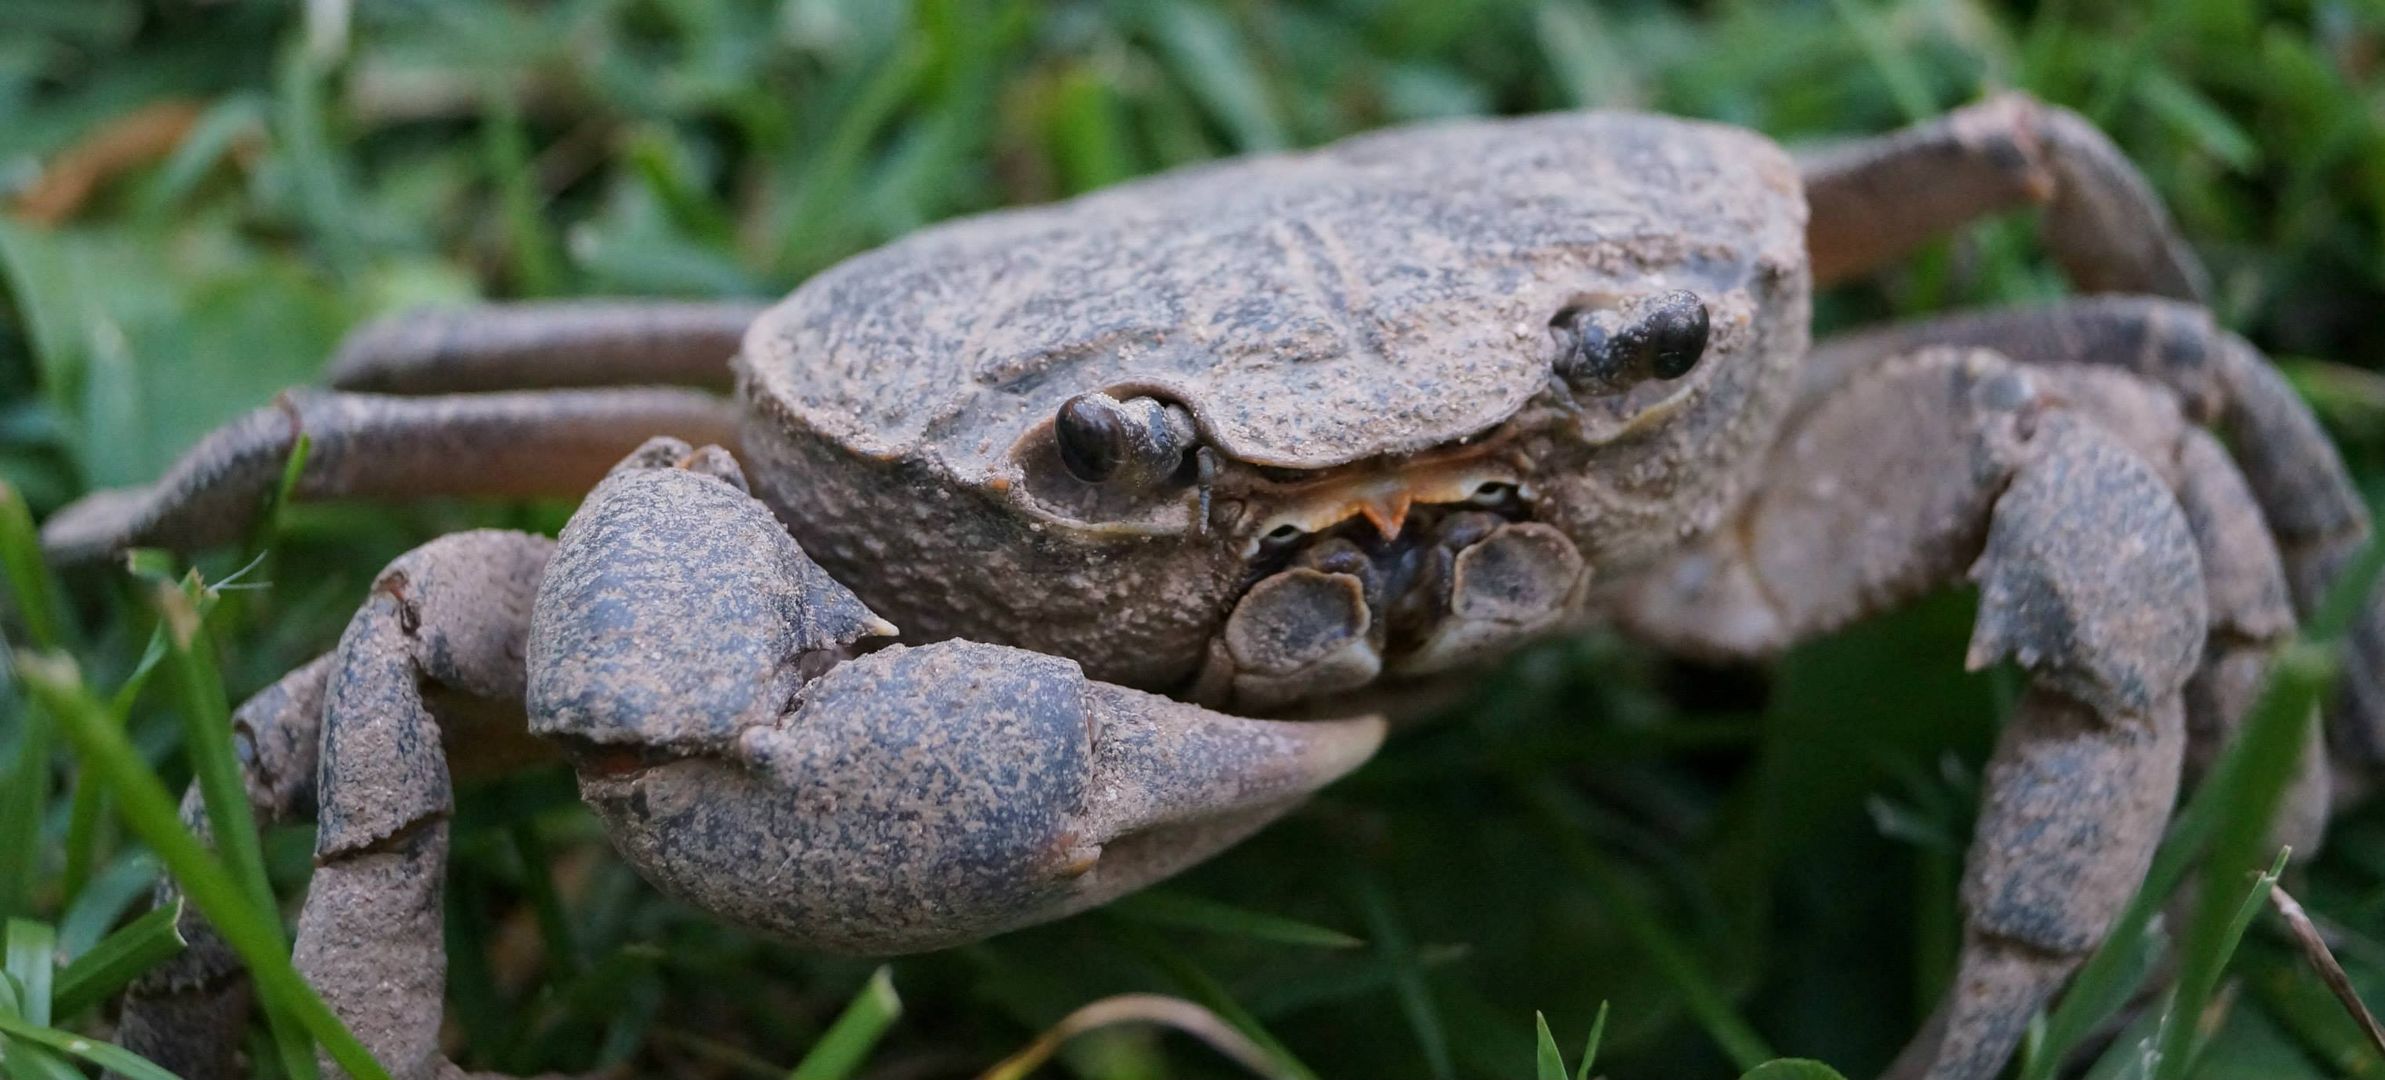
1381 301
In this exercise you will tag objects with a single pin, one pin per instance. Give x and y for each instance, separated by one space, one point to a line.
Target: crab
1038 555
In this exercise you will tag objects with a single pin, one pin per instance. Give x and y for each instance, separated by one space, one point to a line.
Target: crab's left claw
899 800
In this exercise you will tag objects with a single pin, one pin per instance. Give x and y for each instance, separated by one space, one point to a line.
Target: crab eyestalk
905 799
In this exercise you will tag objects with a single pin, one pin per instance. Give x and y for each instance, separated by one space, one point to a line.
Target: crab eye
1605 351
1675 327
1138 443
1091 431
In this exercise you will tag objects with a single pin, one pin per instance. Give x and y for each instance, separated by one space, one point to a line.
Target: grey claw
896 801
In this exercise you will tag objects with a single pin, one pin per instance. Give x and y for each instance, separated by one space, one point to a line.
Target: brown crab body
1328 318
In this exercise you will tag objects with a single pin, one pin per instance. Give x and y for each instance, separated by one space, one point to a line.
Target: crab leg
2304 496
1876 199
2300 481
545 345
900 800
187 1013
554 442
2058 493
697 668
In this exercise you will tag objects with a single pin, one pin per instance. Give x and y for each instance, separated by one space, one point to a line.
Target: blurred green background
202 195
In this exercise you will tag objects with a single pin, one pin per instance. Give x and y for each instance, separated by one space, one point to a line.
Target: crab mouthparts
1384 499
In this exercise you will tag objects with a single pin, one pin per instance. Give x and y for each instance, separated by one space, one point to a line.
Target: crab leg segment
1875 199
904 799
366 445
2058 495
187 1013
542 345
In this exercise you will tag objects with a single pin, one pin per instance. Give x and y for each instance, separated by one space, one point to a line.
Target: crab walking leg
2089 577
2296 474
187 1014
447 623
701 668
545 345
2305 495
1873 200
553 443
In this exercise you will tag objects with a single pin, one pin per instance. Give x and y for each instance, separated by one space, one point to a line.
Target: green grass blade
1203 988
1178 911
1872 34
1415 997
21 808
546 902
32 961
1793 1069
848 1042
836 164
1547 1063
28 776
301 131
30 585
198 689
146 807
21 1060
86 822
1705 1001
117 960
2246 780
2212 938
505 143
113 1058
1598 1036
1208 55
128 878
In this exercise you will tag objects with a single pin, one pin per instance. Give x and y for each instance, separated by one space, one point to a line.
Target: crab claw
700 668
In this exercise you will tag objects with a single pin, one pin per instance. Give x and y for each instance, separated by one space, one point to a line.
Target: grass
202 197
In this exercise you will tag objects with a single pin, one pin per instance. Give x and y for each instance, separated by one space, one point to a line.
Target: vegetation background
202 195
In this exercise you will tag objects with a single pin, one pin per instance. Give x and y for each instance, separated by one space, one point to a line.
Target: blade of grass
848 1042
301 132
1547 1063
33 962
2263 753
198 688
836 165
1793 1069
1202 45
117 960
86 819
2218 928
1598 1035
142 801
546 902
505 145
115 1059
28 777
1905 84
1705 1001
21 809
1177 1013
29 581
22 1060
1177 911
1200 986
127 878
2331 972
1415 997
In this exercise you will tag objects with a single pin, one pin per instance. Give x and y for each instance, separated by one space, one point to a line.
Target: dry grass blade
2322 960
1184 1016
118 146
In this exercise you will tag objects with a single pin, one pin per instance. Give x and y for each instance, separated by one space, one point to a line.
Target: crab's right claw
901 800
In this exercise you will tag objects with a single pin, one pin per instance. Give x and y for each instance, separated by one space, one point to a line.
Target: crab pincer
745 754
